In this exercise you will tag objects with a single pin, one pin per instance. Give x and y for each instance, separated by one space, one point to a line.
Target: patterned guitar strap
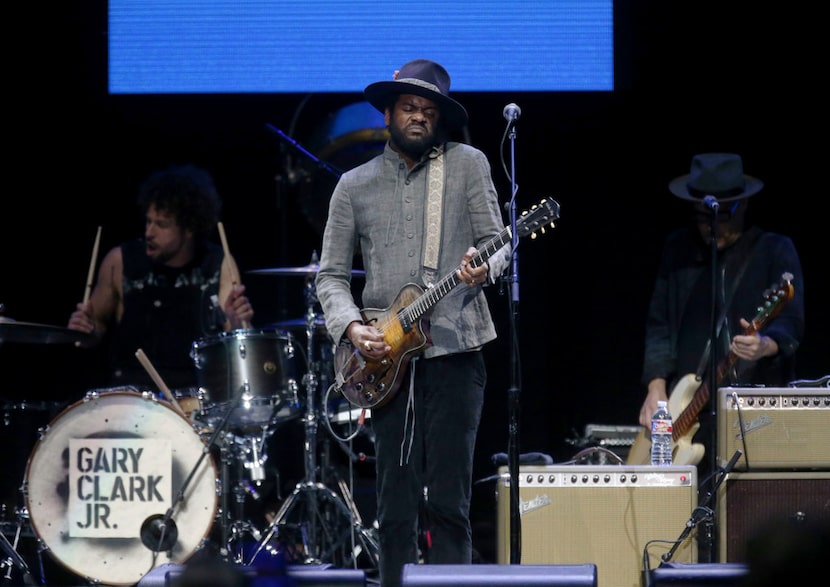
434 214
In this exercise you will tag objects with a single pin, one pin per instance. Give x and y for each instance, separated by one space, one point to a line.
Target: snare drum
102 468
255 367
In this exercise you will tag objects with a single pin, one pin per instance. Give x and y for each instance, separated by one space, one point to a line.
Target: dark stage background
692 77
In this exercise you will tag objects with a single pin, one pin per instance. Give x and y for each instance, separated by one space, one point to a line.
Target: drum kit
126 479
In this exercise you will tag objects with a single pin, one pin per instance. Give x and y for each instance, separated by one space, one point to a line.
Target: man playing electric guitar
414 213
680 314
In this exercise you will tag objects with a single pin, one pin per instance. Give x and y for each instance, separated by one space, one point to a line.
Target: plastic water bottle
661 429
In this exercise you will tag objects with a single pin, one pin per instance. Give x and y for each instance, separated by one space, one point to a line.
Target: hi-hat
28 332
304 271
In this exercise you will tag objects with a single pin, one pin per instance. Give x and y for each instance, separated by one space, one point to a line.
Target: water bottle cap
661 403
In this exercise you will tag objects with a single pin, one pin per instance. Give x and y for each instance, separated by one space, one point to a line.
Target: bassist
749 260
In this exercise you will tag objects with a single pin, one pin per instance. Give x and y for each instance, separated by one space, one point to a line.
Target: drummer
162 292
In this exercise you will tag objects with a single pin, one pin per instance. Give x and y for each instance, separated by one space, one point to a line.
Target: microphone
512 112
159 534
711 202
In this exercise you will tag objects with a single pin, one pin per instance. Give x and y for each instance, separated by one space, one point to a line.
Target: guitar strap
704 359
434 214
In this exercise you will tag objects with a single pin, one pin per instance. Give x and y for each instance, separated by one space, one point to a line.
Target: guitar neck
688 417
432 295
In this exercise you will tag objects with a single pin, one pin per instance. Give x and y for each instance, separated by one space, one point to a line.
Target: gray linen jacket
378 210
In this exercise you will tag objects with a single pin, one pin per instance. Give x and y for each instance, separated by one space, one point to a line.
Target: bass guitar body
684 451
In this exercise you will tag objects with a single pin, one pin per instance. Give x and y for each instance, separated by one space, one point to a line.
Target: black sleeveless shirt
166 309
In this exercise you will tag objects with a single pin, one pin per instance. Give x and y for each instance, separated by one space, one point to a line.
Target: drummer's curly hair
186 191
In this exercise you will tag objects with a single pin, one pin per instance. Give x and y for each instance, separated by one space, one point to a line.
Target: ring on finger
367 345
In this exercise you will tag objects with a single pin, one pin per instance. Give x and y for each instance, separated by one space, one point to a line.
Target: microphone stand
514 391
713 205
704 512
159 532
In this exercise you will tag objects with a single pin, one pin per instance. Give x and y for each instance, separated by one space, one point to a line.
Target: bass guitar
690 394
369 382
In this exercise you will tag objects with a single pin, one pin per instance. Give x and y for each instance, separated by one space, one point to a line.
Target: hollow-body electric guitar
370 383
690 394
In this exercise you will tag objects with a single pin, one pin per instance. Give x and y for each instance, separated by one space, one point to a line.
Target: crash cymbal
304 271
28 332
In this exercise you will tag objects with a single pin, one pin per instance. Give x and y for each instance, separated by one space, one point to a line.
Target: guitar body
684 452
370 383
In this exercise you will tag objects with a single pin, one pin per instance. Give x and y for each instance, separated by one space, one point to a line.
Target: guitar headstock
773 300
537 217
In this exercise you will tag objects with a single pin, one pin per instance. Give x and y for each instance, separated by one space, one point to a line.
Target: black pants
424 442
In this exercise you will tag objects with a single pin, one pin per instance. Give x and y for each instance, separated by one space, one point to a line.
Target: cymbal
300 324
29 332
304 271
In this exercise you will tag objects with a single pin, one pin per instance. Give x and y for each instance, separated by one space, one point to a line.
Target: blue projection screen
301 46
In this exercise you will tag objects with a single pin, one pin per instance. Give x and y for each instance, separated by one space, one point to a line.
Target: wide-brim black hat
424 78
716 174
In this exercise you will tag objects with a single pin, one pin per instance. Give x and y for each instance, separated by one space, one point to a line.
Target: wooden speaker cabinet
747 502
599 514
775 427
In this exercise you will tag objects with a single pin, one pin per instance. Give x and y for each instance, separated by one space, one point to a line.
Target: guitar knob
370 378
381 387
358 387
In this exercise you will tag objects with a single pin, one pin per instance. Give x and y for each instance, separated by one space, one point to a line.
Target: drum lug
243 351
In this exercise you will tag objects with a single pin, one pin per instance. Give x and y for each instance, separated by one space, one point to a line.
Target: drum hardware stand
251 457
13 557
320 533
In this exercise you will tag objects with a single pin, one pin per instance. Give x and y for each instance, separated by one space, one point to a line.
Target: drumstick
91 273
227 259
145 362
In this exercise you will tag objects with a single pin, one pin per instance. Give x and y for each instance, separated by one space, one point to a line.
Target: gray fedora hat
716 174
424 78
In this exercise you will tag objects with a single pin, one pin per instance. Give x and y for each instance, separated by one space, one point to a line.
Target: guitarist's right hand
656 392
367 339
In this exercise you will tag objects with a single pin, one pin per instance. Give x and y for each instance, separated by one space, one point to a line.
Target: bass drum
104 467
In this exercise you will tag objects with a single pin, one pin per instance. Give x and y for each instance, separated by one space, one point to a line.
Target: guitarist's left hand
752 347
472 275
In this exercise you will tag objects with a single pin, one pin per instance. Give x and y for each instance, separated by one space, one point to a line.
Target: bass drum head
101 469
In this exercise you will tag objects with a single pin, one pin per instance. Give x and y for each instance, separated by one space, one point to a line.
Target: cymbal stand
325 520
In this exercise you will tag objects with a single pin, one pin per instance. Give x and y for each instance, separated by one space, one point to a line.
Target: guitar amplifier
599 514
774 427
